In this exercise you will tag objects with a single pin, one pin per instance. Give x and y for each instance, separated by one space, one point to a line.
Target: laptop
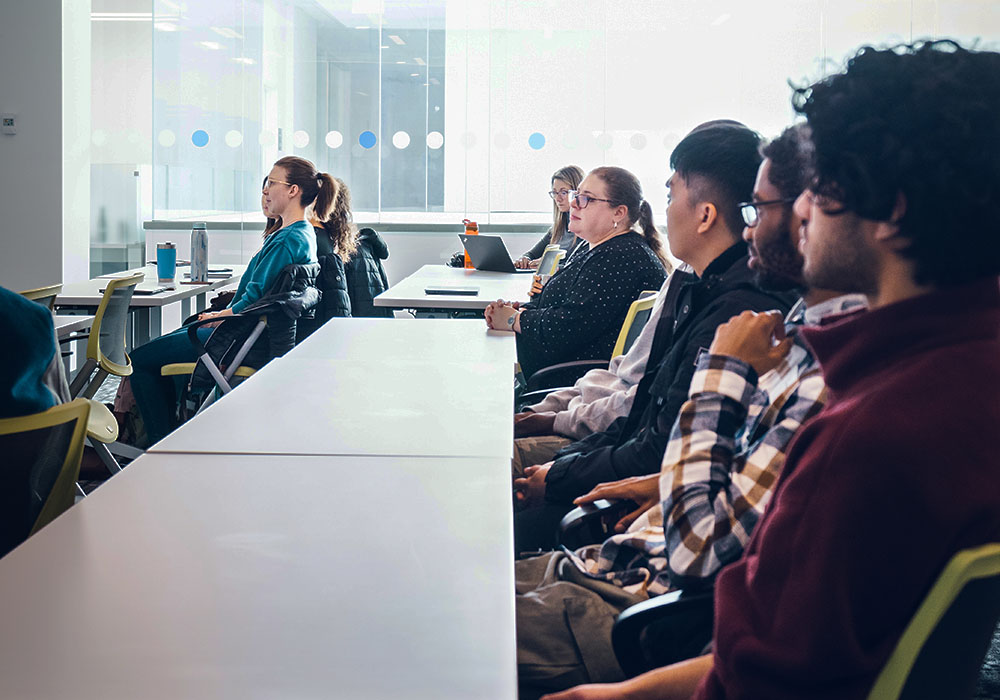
489 253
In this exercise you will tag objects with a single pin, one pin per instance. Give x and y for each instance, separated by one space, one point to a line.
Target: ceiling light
165 26
214 45
419 61
396 39
244 60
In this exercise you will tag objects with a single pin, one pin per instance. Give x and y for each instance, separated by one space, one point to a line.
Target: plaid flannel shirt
726 451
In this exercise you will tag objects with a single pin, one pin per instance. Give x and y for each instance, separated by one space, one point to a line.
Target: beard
779 262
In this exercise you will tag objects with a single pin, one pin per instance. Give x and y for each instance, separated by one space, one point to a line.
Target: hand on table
644 490
525 263
755 338
529 423
530 489
497 312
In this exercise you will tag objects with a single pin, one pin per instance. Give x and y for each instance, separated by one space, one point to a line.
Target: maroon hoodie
897 473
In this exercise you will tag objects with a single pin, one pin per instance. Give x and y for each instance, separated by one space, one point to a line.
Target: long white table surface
242 577
434 339
409 292
147 307
386 404
65 325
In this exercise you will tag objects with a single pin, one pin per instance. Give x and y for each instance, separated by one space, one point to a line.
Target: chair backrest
41 454
942 649
106 346
637 316
46 296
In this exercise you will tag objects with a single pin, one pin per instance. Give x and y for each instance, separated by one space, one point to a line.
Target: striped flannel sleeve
714 489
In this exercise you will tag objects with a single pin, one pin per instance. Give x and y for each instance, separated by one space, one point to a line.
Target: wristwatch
511 319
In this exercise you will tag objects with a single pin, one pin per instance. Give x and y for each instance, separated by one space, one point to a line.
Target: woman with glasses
564 181
579 312
292 187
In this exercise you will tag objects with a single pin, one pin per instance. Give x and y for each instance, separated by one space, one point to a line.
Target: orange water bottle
471 229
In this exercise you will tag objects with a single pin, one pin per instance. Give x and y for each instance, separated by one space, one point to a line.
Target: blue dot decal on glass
536 141
367 139
200 138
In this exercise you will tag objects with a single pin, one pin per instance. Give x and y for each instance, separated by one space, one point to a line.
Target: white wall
44 187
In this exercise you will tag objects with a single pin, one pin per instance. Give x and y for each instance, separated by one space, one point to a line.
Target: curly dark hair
921 121
790 155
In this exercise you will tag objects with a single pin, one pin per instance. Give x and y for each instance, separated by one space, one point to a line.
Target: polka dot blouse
581 309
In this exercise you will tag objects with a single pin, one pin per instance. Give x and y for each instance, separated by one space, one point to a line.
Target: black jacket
332 283
365 275
635 444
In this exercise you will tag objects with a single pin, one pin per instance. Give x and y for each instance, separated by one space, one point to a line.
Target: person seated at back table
564 181
32 378
898 472
366 277
580 311
291 187
714 170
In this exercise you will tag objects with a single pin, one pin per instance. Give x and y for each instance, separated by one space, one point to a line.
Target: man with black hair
899 471
714 169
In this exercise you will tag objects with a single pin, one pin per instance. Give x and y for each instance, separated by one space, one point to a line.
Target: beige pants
537 449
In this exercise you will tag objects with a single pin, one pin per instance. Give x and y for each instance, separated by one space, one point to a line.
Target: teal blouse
293 244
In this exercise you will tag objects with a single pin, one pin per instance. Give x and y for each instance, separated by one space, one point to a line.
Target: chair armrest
101 423
563 374
192 329
532 397
592 522
663 630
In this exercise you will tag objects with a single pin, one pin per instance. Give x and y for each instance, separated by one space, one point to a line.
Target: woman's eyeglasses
583 200
751 213
558 193
269 182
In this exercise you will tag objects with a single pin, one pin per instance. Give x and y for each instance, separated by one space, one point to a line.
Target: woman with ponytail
579 312
336 242
290 188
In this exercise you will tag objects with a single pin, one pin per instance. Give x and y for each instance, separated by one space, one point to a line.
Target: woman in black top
580 311
564 181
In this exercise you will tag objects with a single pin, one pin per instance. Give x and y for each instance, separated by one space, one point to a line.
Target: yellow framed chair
106 342
941 651
42 454
106 355
564 374
46 296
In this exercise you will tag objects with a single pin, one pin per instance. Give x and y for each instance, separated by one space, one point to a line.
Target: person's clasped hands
502 315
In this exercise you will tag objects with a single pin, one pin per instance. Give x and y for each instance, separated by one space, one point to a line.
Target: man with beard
748 397
899 471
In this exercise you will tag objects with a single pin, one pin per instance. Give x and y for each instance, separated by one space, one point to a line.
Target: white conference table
409 293
147 308
434 339
65 325
236 577
374 406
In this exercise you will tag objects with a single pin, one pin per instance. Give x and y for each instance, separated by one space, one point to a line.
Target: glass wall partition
445 109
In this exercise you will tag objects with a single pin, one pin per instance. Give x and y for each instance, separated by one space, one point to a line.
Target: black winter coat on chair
365 275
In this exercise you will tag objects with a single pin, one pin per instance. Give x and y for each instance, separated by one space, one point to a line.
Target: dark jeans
537 529
156 395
